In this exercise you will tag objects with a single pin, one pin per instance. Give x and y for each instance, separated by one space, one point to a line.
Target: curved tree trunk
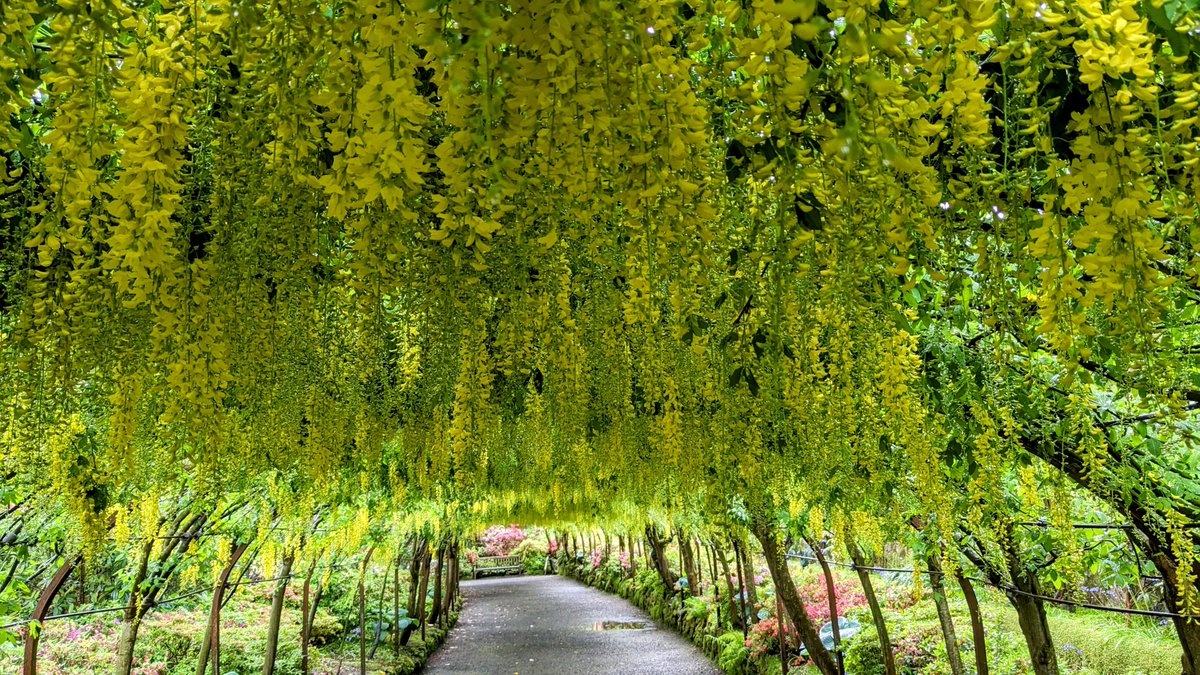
786 589
132 615
938 585
658 556
977 635
210 648
29 666
1188 630
831 592
277 615
864 578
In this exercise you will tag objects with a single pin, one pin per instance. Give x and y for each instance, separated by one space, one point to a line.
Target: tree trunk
277 615
420 546
210 648
712 561
383 584
1031 612
454 572
938 586
125 644
451 582
786 589
743 587
423 591
420 549
831 591
658 551
737 619
1188 629
362 614
29 667
439 573
864 578
305 622
978 638
130 617
743 551
780 626
396 608
316 603
689 563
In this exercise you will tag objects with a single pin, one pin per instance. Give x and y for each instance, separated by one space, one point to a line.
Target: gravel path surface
555 626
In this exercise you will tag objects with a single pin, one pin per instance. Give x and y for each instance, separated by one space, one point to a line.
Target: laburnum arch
587 259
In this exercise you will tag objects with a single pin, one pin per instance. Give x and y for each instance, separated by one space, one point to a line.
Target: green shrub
697 609
864 656
1088 642
734 654
325 629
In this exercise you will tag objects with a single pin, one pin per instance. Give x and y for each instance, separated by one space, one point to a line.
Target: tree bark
737 619
277 615
305 623
396 608
785 587
864 578
689 564
130 617
659 558
743 588
1031 611
210 648
831 591
29 666
148 584
743 551
439 573
780 626
977 635
362 613
938 586
423 592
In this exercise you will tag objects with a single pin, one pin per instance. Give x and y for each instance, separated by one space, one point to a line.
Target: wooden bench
500 564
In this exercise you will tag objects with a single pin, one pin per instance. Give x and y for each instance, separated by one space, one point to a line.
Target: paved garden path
552 625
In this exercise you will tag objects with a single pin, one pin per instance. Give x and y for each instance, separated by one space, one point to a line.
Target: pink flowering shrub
500 540
848 592
472 556
624 560
597 558
763 638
